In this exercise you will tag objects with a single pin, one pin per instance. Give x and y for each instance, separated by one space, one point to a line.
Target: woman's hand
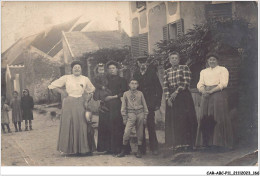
205 93
108 98
174 95
169 101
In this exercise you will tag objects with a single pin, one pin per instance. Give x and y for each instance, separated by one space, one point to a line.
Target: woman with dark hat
215 127
180 117
27 107
73 124
118 86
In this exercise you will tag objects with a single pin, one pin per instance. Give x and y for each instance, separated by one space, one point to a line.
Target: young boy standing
134 111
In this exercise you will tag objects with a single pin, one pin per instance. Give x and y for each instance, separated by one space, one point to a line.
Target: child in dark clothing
100 83
27 107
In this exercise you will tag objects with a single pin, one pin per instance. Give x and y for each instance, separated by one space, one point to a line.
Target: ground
38 148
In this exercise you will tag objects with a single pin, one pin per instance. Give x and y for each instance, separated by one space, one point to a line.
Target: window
140 4
173 30
139 45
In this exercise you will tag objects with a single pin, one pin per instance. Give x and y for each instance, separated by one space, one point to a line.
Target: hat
142 59
112 63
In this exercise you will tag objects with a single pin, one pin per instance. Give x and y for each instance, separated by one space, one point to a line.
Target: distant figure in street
151 88
5 116
118 86
180 117
73 134
134 111
215 128
27 107
16 111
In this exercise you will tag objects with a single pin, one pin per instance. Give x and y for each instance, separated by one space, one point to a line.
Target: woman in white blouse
73 133
214 127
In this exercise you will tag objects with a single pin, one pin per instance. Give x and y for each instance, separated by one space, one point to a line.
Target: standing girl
5 116
16 111
27 107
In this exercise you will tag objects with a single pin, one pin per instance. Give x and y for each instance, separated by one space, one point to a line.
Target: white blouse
75 85
213 76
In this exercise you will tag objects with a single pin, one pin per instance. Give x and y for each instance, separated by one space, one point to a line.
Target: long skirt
116 125
74 131
180 121
214 127
104 134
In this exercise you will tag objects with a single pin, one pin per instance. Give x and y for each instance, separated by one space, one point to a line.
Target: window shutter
135 46
166 32
143 44
180 27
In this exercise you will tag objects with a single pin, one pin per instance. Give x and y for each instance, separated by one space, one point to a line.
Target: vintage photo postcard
130 83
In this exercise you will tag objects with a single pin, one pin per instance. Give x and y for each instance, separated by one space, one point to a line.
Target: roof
48 42
11 54
84 42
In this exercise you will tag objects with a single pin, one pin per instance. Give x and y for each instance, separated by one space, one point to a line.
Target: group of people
22 109
122 108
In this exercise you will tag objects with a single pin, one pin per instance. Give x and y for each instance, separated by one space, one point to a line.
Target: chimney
118 19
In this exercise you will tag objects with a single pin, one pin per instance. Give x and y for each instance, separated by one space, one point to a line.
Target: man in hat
150 85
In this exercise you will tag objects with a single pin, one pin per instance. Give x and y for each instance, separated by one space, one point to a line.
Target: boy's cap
142 59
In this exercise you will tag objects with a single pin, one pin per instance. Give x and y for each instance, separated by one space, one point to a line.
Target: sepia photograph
130 83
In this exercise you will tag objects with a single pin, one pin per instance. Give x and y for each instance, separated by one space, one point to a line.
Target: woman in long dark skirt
118 86
180 118
102 91
27 107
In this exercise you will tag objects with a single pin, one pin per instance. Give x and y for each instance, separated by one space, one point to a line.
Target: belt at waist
75 96
207 88
136 111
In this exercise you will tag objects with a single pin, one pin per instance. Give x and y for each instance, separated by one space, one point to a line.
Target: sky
21 19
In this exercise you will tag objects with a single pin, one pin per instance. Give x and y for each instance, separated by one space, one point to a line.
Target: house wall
192 13
39 73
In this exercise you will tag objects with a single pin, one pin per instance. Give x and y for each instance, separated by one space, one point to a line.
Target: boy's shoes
4 131
30 128
16 130
123 152
26 129
139 152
